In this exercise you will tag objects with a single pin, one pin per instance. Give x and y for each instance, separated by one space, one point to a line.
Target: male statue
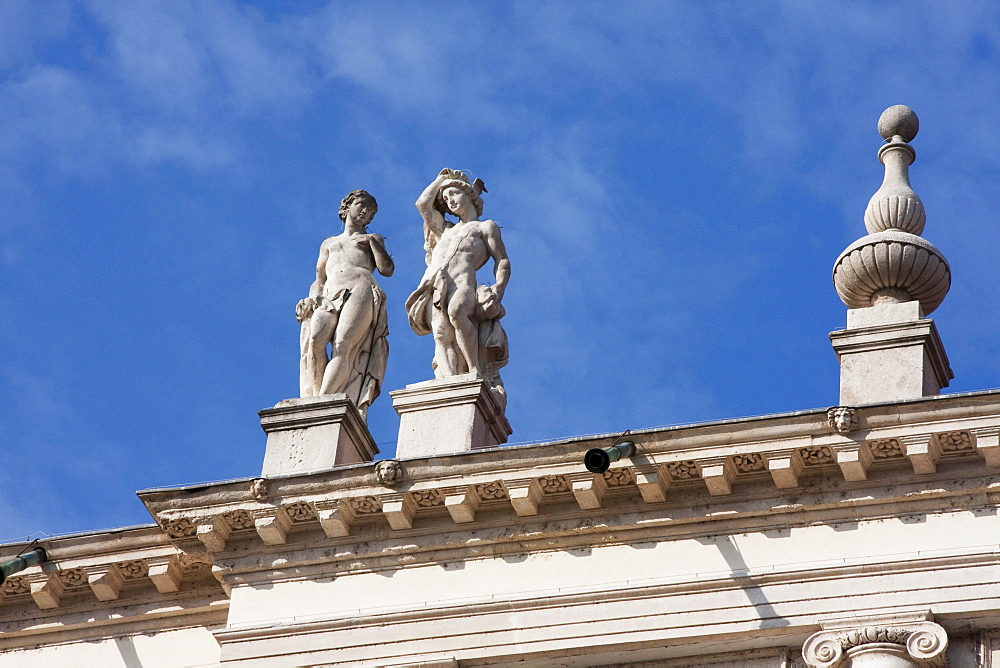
345 309
464 318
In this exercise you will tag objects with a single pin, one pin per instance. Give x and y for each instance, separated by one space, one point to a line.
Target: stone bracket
718 474
214 533
988 443
923 452
46 589
272 525
165 573
589 489
653 484
854 460
335 517
462 504
105 581
399 510
524 495
785 467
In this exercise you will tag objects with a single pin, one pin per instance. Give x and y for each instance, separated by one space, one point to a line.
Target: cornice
740 475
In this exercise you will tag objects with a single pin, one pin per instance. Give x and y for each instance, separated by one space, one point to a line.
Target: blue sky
674 181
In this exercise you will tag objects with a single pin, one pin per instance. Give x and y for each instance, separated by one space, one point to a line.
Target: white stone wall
744 591
183 648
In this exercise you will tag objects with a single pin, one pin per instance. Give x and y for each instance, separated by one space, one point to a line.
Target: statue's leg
314 360
354 326
444 345
460 310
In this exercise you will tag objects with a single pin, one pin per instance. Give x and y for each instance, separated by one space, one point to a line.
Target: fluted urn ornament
892 264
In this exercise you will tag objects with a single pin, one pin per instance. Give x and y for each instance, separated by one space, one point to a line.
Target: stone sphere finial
898 121
893 263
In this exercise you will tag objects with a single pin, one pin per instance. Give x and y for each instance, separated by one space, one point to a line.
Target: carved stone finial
842 418
389 472
893 264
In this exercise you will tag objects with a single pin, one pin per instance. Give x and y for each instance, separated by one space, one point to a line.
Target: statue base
448 415
313 433
889 352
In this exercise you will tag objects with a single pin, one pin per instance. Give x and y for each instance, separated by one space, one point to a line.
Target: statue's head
461 183
362 196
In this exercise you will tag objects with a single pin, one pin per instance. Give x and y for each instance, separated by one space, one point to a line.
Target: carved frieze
427 498
15 587
620 477
365 505
491 491
816 455
73 578
194 564
749 463
885 448
239 520
685 470
955 441
133 569
300 511
553 484
179 527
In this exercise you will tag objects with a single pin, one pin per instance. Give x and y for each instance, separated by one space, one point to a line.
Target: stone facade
731 543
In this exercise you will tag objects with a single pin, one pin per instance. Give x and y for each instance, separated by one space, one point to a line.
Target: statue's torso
349 260
462 249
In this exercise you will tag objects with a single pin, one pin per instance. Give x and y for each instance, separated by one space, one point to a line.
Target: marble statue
346 310
463 317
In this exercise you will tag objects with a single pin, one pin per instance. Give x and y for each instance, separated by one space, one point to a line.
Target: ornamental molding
687 480
715 472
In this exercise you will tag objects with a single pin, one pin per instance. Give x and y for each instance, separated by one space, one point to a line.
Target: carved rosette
924 643
749 463
816 455
684 470
892 264
553 484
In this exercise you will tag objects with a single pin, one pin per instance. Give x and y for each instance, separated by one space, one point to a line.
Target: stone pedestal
889 352
314 433
448 415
